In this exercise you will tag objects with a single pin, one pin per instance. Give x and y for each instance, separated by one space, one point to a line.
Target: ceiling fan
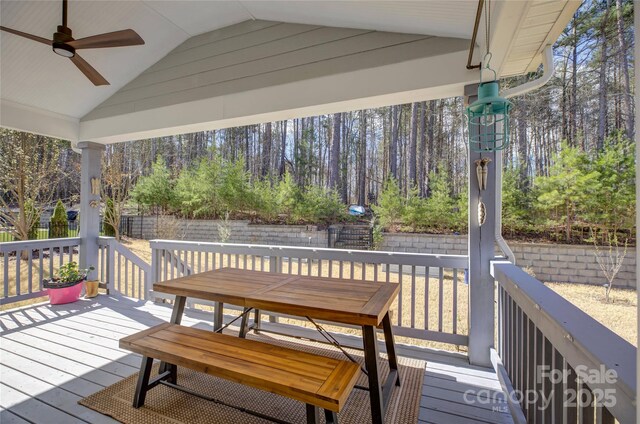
65 45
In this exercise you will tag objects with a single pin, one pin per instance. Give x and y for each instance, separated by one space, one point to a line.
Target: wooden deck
52 356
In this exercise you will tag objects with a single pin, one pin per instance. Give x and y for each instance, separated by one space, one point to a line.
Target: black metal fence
131 226
358 237
45 230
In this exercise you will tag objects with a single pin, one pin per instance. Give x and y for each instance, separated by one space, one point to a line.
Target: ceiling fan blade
126 37
89 71
25 35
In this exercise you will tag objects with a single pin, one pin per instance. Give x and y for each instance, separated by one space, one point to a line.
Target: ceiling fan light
64 49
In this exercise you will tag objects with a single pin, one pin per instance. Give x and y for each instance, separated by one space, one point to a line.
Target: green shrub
58 226
391 207
319 205
265 200
287 195
156 189
109 213
416 214
234 189
441 205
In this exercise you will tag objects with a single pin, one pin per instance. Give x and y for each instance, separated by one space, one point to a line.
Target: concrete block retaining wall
239 232
549 262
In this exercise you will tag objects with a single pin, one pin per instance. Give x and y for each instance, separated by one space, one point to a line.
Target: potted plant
66 285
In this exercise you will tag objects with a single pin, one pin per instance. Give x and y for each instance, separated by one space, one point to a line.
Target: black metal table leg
243 323
256 320
176 318
143 382
391 347
218 316
330 417
371 361
313 414
178 310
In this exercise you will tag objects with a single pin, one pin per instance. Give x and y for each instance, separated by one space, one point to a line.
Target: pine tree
58 226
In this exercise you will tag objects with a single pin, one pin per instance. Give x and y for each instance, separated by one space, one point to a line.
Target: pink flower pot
64 295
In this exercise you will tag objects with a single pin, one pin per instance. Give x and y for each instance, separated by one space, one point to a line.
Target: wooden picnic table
362 303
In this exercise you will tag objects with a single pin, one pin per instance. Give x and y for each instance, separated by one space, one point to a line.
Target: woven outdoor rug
166 405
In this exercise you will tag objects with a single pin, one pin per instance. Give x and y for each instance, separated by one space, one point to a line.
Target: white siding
258 54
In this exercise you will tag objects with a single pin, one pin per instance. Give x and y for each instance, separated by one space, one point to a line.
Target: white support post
89 203
481 252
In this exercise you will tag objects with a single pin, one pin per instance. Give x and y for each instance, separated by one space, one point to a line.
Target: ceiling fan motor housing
60 40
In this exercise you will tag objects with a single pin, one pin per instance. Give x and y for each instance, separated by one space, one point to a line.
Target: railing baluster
30 272
440 296
413 297
454 302
508 359
558 392
523 350
517 374
587 411
40 268
18 266
426 297
539 355
119 273
126 276
400 296
167 264
571 386
547 390
5 290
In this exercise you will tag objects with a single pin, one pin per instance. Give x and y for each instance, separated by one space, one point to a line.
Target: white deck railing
24 264
544 342
554 352
122 270
428 307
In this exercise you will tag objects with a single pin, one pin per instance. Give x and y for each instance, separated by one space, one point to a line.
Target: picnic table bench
318 381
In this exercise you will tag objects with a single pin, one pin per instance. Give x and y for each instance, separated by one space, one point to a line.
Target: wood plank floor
52 356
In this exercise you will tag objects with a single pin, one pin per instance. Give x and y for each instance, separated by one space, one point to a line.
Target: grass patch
620 315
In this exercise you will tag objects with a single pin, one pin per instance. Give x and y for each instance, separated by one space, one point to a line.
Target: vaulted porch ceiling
216 64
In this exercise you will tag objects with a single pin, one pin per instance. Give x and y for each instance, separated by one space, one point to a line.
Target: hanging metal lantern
489 118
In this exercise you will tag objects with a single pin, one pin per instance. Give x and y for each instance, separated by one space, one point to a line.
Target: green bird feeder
489 119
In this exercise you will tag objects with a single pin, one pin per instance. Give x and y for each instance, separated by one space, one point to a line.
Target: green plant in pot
66 285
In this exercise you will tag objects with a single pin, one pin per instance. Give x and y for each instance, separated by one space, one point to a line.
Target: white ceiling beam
19 117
